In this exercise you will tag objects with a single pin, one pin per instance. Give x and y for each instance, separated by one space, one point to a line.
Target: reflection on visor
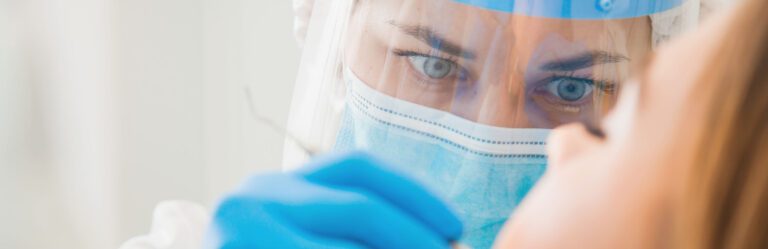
578 9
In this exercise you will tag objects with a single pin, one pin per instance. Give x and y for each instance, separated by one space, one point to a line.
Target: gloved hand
339 201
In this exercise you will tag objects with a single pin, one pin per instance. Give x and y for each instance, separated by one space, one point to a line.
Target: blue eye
570 89
432 67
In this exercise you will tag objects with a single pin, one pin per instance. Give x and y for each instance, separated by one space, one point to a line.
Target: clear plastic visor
492 67
523 64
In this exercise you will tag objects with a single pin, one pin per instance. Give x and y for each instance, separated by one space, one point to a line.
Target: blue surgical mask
482 171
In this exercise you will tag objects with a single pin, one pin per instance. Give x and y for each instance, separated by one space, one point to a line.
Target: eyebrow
434 40
584 60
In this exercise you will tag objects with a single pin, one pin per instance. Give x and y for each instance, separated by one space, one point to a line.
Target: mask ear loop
279 129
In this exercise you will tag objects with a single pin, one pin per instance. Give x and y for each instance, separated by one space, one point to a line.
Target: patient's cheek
517 236
504 239
529 226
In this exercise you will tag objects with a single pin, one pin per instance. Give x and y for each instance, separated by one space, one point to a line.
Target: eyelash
407 53
595 130
605 86
462 74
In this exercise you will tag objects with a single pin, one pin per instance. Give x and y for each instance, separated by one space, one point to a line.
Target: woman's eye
570 89
433 67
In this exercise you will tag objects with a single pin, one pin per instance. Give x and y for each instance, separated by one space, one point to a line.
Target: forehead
447 16
480 28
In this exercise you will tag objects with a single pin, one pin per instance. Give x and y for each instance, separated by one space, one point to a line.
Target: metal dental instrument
279 129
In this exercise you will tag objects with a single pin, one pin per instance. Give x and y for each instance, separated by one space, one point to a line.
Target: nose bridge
504 101
500 95
511 86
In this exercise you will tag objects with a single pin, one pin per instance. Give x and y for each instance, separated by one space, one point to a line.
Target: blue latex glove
339 201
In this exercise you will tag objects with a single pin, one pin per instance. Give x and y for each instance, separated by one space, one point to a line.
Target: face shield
461 94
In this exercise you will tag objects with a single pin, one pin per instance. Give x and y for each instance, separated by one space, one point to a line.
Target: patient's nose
567 142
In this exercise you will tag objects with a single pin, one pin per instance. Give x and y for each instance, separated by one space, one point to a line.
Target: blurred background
108 107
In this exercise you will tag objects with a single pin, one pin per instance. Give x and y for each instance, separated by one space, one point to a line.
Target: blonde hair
726 201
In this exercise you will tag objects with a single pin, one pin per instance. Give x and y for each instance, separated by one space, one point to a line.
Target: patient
682 162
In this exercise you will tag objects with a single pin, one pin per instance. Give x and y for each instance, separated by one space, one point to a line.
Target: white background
108 107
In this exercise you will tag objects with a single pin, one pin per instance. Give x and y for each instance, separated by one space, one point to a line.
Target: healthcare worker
451 101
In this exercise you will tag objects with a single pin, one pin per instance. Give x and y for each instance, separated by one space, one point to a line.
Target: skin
619 191
504 82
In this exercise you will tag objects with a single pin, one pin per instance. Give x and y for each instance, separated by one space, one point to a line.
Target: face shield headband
578 9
